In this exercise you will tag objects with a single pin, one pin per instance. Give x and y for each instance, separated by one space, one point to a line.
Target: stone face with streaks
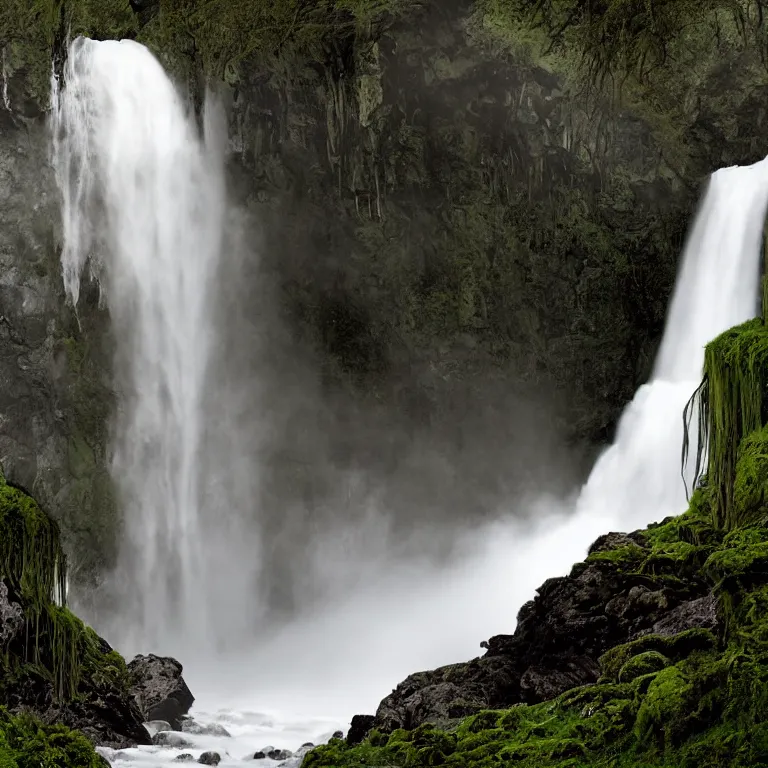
11 618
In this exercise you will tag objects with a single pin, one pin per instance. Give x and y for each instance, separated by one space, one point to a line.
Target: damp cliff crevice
447 194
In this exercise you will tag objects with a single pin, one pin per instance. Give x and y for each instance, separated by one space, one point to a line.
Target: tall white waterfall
143 210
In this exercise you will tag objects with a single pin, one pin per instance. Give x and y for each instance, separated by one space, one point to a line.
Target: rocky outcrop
106 714
54 365
159 689
52 666
623 591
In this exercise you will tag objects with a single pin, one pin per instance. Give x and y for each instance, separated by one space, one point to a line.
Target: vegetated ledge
56 673
652 652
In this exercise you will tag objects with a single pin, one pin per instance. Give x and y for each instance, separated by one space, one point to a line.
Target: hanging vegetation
732 404
33 567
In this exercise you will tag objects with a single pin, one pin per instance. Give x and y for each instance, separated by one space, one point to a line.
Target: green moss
33 566
732 407
32 561
675 647
629 557
642 664
25 743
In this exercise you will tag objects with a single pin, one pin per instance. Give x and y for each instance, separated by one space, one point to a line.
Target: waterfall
637 480
143 210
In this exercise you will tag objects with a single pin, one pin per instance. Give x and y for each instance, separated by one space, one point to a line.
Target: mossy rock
676 647
33 566
733 409
32 561
642 664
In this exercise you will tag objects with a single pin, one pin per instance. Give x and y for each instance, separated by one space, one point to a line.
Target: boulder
209 758
159 689
359 728
172 739
188 725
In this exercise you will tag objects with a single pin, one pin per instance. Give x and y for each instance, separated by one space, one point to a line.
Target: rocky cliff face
54 378
447 217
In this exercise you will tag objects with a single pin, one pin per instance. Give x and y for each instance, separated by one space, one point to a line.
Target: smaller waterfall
637 480
143 208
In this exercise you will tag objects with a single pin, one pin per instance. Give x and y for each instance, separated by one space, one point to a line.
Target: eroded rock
11 618
171 739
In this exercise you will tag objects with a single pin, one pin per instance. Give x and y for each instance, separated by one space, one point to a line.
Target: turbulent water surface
144 205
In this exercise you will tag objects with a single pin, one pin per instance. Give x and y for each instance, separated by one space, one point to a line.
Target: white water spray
143 207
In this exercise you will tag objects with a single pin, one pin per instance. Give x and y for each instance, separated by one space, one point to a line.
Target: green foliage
227 31
732 406
25 743
616 38
31 558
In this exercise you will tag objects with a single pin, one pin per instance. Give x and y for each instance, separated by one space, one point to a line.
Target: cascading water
143 199
637 480
143 206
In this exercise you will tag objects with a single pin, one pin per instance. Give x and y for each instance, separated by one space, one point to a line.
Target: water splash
143 208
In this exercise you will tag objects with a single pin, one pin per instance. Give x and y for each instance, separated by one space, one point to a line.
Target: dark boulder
209 758
699 613
159 689
359 728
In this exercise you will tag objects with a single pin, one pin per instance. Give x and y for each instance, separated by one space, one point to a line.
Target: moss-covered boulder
51 664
